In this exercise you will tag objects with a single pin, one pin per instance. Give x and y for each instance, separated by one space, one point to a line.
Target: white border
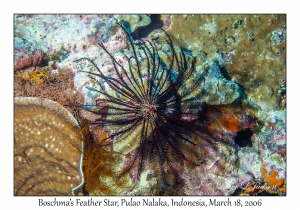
8 201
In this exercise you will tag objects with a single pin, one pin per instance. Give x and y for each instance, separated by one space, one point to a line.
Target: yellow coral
33 76
37 77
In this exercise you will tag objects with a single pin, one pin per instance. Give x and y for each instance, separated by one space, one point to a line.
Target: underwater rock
218 89
48 148
75 36
215 89
266 159
59 35
134 21
24 45
250 63
218 175
221 171
262 98
26 54
167 21
24 59
250 161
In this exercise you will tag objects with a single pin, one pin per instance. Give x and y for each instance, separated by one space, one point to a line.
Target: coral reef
252 46
225 92
149 103
24 60
45 83
26 54
235 117
134 21
48 148
219 174
101 166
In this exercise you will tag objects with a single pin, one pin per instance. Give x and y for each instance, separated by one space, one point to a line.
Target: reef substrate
242 96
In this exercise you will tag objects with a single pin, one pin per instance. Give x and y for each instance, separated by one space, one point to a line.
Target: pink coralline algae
217 176
37 59
22 61
26 59
278 137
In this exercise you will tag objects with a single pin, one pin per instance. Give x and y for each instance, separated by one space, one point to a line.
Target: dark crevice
225 73
237 192
143 31
243 138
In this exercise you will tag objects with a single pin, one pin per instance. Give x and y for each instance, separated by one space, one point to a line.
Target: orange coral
223 117
37 78
211 128
33 76
230 122
271 179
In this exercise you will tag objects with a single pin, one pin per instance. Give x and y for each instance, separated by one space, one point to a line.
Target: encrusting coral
48 148
271 178
219 174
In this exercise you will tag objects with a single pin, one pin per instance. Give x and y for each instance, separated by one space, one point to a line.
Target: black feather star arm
150 105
